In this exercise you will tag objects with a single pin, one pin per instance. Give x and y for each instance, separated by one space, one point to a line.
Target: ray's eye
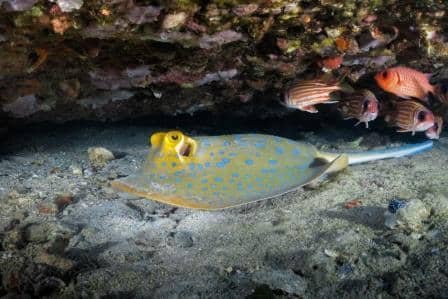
385 74
421 115
174 137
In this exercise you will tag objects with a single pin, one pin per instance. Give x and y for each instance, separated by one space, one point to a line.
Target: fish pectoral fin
403 131
330 102
421 90
310 109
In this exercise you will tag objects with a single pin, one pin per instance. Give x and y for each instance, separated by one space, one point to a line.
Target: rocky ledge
66 60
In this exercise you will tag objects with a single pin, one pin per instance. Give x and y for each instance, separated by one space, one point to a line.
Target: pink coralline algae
69 5
245 9
218 76
143 14
17 5
219 38
115 79
23 106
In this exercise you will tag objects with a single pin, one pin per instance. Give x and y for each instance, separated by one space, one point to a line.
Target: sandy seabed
67 234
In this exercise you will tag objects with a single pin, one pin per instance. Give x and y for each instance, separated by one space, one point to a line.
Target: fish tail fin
395 152
346 88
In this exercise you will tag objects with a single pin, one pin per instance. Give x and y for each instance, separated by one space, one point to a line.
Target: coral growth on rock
170 57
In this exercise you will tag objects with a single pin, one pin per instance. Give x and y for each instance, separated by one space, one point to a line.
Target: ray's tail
394 152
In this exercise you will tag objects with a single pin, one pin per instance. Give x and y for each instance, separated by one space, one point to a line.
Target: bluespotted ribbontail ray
217 172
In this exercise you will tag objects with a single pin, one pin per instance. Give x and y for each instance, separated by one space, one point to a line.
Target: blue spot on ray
207 164
191 165
204 181
235 175
267 170
189 185
296 152
273 162
173 164
218 180
249 162
220 164
279 150
221 152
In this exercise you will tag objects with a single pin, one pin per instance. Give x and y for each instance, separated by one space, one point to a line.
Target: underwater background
84 84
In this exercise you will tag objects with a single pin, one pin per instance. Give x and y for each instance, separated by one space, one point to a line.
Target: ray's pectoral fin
336 165
133 185
338 161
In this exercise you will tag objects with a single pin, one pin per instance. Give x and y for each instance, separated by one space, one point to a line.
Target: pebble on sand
100 156
408 216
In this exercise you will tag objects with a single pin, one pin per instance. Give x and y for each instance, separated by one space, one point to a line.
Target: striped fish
361 105
303 95
411 116
434 131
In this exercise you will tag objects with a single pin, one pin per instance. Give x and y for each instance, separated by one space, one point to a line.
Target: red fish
434 131
411 116
405 82
332 62
361 105
303 95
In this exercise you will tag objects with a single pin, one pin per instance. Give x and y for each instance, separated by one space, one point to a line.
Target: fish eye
385 74
421 115
365 105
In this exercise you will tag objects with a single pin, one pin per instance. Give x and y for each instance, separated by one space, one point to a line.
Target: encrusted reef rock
73 59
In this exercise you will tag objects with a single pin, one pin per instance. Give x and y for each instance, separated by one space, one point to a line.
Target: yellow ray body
216 172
